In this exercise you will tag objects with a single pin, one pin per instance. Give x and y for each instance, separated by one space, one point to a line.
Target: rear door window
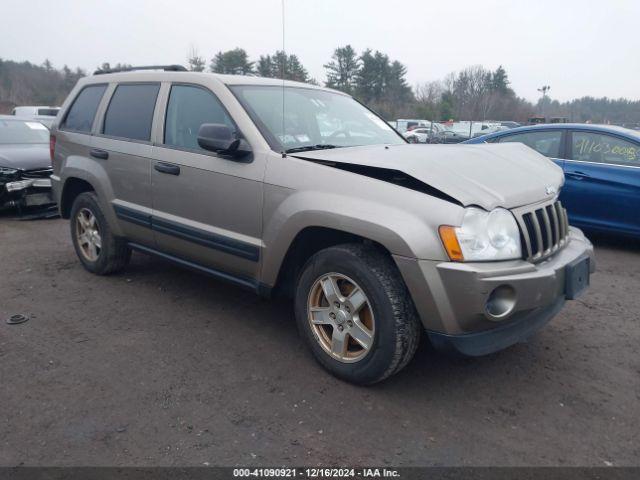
548 143
602 148
130 111
189 107
84 108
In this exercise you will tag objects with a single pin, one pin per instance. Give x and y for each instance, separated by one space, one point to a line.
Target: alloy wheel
88 234
341 317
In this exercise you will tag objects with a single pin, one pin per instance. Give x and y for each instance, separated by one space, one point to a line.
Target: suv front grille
544 230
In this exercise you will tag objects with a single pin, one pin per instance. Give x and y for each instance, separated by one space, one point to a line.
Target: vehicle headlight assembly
483 236
8 171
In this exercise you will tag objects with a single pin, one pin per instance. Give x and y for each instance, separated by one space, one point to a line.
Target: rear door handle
97 153
576 175
168 168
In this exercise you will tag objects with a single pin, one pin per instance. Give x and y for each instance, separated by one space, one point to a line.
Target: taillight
52 146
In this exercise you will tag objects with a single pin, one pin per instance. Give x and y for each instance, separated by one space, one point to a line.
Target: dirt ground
162 366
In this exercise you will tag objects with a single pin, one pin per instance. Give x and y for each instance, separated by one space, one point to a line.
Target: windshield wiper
308 148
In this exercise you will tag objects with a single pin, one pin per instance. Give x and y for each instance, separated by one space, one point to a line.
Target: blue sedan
601 166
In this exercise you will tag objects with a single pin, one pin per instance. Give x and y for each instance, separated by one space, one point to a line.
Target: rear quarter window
83 110
130 111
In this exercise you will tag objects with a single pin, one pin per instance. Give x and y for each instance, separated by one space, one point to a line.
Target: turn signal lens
450 242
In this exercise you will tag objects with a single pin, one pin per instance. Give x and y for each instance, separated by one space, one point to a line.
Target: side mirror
219 138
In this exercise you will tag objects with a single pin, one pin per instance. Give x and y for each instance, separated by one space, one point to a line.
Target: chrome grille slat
555 225
547 227
538 234
561 219
525 237
544 229
558 208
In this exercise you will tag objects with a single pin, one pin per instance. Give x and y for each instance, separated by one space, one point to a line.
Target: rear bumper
451 298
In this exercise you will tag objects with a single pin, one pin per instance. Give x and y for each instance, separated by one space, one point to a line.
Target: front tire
355 313
99 251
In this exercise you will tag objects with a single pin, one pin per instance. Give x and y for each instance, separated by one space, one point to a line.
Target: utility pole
544 89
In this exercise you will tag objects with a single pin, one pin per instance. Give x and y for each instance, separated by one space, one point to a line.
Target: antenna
282 73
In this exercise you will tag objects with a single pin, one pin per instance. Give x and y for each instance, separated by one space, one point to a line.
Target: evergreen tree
343 69
396 84
281 65
232 62
265 67
500 81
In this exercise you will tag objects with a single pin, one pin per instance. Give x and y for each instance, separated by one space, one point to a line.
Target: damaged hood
505 175
25 157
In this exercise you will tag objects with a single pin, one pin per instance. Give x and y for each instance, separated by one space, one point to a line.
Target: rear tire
389 320
99 251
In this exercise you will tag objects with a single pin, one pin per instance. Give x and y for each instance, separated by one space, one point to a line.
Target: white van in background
35 111
43 114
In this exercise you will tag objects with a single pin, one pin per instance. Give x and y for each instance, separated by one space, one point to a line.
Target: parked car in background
601 164
489 129
43 114
25 163
403 124
449 136
423 134
35 111
510 124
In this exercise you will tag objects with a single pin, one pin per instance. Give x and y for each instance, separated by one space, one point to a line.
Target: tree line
24 83
473 93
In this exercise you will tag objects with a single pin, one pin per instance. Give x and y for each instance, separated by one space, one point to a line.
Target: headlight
8 171
483 236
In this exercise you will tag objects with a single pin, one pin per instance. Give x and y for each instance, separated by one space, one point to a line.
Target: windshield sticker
35 126
286 139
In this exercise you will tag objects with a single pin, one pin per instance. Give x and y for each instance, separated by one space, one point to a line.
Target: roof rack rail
166 68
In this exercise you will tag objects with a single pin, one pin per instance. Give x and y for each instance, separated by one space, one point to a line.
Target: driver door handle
168 168
97 153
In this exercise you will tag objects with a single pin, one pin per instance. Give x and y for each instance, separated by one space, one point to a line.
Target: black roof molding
166 68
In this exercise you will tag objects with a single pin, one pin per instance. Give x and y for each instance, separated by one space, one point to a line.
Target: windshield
313 118
17 131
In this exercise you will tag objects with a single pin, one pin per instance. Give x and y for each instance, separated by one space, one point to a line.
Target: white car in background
43 114
403 125
423 134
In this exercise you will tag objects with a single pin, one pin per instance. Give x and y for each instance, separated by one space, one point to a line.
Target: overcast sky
578 47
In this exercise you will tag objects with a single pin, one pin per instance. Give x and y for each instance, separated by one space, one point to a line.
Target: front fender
399 230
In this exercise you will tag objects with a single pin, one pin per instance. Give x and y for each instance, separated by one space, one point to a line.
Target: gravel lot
162 366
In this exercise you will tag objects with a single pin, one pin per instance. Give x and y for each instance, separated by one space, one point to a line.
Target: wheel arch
82 175
281 274
73 187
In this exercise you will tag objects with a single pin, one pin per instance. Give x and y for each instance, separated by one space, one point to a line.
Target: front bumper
26 192
451 298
